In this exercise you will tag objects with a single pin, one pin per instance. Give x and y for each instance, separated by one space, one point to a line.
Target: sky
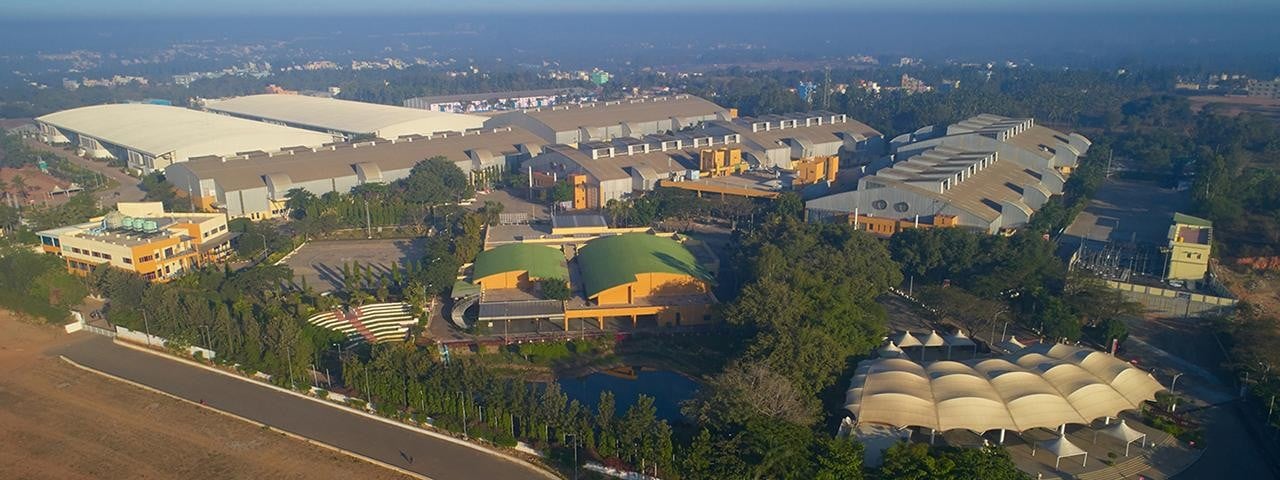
15 9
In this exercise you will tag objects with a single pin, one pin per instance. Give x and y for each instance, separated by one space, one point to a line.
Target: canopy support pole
931 433
1002 436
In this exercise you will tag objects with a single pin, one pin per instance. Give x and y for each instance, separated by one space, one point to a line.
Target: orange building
816 169
143 238
716 162
885 226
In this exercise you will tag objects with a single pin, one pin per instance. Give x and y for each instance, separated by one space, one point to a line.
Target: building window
128 260
901 207
879 204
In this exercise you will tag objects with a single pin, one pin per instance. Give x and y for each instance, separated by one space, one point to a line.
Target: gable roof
608 262
539 260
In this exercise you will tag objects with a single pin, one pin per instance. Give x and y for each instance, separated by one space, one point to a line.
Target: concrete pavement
434 457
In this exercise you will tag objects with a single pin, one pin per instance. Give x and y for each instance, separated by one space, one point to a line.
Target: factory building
152 137
254 186
343 118
603 121
602 171
141 238
1190 244
775 141
988 173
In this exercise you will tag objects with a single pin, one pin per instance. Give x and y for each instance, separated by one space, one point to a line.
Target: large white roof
160 129
346 116
1039 386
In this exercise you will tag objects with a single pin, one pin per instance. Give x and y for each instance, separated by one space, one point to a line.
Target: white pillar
1002 436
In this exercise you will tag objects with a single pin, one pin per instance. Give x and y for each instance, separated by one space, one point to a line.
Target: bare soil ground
38 183
1260 288
60 422
1233 105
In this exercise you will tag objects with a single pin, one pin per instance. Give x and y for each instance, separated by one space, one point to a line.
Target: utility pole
147 325
368 224
289 351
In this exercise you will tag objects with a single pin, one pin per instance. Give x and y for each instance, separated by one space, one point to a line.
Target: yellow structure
716 162
580 191
887 227
1190 244
816 169
143 238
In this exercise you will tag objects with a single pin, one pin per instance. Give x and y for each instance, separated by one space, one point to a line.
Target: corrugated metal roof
572 117
345 115
306 165
159 129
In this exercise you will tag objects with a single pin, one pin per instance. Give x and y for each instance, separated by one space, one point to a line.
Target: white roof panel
159 129
387 121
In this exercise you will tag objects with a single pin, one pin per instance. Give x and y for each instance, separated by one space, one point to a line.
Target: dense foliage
38 285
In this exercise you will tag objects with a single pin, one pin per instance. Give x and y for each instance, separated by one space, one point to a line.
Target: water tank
127 222
150 226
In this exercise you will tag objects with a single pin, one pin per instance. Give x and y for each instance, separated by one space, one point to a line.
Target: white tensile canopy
959 339
933 340
1062 448
905 340
1122 432
890 351
1043 386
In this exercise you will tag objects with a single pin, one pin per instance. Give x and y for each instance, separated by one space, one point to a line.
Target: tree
436 181
297 200
911 461
839 459
748 390
561 192
554 289
19 183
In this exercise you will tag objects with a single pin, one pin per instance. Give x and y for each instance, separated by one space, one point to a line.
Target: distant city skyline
15 9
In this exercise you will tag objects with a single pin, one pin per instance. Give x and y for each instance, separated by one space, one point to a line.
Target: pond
668 389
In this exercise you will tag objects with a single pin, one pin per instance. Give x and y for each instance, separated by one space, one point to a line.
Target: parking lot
320 263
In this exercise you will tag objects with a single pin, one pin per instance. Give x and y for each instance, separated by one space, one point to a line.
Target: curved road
434 457
127 189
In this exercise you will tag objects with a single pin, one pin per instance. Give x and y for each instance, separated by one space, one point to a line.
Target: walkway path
437 458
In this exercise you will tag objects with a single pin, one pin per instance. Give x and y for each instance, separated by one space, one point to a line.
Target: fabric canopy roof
1045 385
890 351
1061 448
905 339
1122 432
933 340
959 340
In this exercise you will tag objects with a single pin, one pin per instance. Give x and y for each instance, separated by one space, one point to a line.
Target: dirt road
126 189
60 422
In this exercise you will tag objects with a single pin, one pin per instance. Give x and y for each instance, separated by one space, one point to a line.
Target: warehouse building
601 171
142 238
775 141
153 137
254 186
343 118
988 173
602 121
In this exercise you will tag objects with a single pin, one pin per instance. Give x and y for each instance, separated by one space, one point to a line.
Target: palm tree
20 184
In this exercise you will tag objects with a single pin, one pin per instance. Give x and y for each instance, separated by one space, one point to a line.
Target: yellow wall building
816 169
141 237
717 162
1190 245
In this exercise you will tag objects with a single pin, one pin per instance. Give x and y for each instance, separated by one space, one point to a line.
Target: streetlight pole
146 324
575 454
1173 387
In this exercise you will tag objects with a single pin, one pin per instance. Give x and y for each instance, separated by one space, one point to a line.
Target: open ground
60 422
320 263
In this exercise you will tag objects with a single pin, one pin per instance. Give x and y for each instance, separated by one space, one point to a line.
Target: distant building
1264 88
500 101
989 172
911 84
599 77
1190 242
141 238
342 118
153 137
572 124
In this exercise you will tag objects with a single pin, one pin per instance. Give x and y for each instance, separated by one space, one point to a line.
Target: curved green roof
539 260
607 262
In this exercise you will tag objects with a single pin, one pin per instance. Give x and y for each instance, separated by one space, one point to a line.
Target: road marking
247 420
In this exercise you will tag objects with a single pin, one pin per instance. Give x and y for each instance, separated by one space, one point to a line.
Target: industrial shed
153 137
254 186
635 117
343 117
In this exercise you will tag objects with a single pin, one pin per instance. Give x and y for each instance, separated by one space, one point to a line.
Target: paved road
436 458
126 191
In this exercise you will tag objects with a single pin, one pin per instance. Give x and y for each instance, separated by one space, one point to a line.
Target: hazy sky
141 8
